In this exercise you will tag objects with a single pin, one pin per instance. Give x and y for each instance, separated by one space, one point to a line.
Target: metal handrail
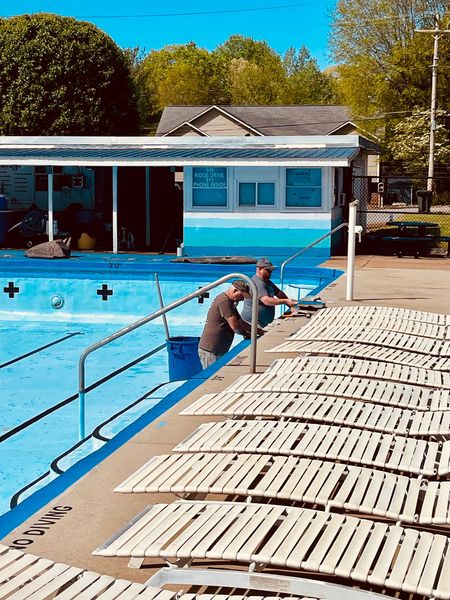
155 315
322 237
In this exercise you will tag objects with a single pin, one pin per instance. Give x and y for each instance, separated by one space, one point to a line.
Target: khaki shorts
207 358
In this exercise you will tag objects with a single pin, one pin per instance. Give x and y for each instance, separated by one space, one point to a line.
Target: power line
202 12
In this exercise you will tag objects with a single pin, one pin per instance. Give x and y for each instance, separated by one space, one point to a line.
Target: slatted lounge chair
323 409
289 479
418 328
376 337
27 576
346 386
361 350
369 553
362 368
244 580
345 444
335 314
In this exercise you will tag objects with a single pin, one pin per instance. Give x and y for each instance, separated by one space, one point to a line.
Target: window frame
255 207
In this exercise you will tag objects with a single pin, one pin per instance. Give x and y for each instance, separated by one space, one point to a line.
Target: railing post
351 248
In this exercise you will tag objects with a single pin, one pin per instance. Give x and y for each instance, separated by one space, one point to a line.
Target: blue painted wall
275 230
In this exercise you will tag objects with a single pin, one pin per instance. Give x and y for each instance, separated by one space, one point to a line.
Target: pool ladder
160 313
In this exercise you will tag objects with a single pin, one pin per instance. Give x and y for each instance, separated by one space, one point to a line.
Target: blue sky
153 24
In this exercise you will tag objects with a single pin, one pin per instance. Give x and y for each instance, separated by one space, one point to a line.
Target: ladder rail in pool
159 313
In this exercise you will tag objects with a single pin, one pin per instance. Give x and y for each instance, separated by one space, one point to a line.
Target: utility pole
436 33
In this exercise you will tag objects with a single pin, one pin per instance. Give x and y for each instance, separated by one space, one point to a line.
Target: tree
305 83
384 66
60 76
252 70
178 74
411 140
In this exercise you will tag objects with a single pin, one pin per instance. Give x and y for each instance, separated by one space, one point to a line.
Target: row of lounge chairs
329 476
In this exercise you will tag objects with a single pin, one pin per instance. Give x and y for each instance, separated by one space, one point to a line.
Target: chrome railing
303 250
353 229
155 315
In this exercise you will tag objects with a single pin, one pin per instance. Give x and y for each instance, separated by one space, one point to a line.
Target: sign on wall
209 177
209 186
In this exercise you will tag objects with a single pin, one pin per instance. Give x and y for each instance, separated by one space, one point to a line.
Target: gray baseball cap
264 263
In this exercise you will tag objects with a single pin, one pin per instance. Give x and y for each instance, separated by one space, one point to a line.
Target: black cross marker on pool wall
104 292
11 289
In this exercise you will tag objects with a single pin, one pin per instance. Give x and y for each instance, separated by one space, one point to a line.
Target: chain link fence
400 206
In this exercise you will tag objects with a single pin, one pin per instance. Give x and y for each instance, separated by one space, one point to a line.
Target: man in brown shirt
222 322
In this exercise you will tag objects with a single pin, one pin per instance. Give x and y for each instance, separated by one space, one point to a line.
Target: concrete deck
93 513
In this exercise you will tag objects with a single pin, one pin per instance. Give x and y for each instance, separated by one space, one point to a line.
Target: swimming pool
49 315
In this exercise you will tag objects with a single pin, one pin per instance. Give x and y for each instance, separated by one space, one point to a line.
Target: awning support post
114 211
50 205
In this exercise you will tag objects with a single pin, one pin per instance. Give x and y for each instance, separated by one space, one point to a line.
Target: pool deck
96 513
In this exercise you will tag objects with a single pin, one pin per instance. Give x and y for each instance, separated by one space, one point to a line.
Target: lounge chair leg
136 562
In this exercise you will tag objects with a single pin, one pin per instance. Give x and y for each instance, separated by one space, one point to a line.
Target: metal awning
91 151
89 156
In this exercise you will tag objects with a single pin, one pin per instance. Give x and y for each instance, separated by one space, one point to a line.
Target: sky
152 24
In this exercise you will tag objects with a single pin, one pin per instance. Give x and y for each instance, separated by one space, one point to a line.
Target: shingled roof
266 120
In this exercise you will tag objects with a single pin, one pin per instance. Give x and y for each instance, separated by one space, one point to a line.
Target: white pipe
114 211
351 248
50 205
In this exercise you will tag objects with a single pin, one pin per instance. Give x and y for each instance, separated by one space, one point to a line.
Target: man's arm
241 327
277 301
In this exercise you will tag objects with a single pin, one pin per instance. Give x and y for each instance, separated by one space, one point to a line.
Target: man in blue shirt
269 295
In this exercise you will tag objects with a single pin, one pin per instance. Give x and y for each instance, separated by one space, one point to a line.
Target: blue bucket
183 357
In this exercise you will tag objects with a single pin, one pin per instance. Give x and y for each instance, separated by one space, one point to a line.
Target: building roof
205 151
264 120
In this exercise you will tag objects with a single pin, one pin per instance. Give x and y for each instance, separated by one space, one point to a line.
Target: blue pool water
40 346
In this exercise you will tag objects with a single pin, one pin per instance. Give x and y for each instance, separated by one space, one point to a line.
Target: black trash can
424 198
183 357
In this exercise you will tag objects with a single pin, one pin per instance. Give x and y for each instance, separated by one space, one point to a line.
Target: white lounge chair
288 479
26 576
368 369
323 409
366 552
345 386
373 321
345 444
362 350
376 337
401 326
335 314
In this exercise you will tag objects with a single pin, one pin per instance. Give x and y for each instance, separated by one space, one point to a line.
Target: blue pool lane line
19 358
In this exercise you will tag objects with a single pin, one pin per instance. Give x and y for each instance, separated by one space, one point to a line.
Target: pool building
215 195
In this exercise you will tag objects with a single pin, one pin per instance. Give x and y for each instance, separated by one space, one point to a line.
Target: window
303 188
256 194
209 186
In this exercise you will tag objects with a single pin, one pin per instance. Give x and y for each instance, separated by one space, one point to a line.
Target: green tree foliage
252 71
305 83
60 76
179 74
384 65
239 71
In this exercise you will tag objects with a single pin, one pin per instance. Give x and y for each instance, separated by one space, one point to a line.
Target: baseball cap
241 286
264 263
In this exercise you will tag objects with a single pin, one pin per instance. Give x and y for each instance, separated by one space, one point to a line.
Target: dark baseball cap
264 263
241 286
